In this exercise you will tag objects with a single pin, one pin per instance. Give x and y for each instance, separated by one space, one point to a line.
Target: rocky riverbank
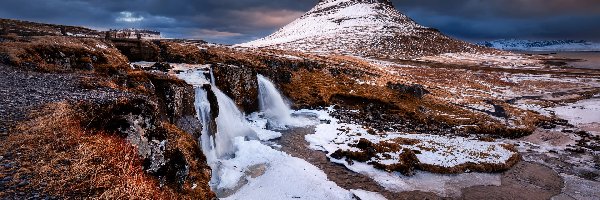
78 121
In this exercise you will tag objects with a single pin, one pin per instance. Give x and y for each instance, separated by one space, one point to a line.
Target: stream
276 151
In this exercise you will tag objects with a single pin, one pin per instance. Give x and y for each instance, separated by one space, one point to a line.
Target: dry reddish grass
43 53
66 161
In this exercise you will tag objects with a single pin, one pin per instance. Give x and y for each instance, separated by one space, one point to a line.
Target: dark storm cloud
233 21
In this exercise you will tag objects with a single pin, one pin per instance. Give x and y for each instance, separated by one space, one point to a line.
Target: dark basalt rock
177 100
214 109
138 50
415 90
240 84
161 66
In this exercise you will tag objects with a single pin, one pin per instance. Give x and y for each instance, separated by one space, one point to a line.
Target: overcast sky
234 21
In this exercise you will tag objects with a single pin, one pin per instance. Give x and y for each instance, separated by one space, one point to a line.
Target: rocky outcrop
171 51
415 90
239 83
138 50
176 100
169 153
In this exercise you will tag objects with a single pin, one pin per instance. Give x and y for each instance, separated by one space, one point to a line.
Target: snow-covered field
435 150
579 113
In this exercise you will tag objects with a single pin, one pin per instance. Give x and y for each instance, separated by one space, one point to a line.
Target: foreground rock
83 124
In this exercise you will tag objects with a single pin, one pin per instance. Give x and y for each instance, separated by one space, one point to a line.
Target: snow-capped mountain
372 28
545 45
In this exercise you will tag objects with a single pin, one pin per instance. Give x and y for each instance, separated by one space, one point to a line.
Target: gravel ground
22 91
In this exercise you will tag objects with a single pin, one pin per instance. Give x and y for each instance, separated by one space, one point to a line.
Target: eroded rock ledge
125 133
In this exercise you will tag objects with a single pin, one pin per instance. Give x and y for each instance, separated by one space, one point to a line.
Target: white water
207 140
272 105
234 150
212 77
231 123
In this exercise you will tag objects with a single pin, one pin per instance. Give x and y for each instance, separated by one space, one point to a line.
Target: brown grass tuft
64 160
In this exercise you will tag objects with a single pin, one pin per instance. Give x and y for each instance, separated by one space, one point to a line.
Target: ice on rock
286 177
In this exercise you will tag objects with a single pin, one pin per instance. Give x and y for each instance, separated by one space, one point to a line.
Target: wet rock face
240 84
176 98
214 108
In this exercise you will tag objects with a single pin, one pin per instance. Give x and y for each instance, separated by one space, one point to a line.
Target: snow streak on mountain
371 28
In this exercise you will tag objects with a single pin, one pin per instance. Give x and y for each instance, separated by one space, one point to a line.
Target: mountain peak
350 2
371 28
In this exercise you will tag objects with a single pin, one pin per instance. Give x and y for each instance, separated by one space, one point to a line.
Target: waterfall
272 105
231 123
207 138
212 77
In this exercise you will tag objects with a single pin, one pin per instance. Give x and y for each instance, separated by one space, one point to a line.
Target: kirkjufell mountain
371 28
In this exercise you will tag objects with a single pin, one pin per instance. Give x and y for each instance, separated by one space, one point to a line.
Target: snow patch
436 150
285 177
366 195
582 112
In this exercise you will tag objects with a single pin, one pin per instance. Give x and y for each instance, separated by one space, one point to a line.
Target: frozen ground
580 113
283 176
436 150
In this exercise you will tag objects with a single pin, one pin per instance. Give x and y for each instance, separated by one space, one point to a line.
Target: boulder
414 90
240 84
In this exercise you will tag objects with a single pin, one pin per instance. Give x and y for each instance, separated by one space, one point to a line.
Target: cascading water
207 139
212 77
272 105
231 123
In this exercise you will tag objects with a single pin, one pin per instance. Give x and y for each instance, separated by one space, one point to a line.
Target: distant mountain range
542 45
